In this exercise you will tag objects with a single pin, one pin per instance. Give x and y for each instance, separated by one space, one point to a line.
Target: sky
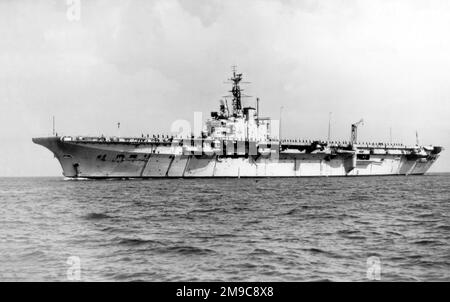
147 63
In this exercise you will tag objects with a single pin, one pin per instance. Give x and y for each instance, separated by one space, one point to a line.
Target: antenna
417 138
281 109
236 92
54 126
329 128
118 129
257 109
390 135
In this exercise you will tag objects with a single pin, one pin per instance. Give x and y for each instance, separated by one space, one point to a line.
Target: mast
54 126
329 128
236 92
281 110
257 111
390 135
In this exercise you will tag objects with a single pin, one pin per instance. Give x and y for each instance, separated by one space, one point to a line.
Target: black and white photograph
238 143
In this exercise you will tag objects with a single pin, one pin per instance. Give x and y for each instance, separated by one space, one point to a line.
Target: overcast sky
148 63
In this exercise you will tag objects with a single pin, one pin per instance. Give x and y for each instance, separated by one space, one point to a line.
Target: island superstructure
235 142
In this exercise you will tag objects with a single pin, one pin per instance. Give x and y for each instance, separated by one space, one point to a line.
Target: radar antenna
236 92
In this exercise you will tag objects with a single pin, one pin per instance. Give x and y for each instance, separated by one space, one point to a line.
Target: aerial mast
390 135
257 111
236 92
329 128
281 110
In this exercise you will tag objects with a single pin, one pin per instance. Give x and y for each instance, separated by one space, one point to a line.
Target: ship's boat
235 142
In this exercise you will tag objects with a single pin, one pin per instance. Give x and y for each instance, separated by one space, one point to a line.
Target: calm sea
304 229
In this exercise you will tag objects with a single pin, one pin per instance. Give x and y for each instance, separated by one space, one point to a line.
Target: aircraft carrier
234 142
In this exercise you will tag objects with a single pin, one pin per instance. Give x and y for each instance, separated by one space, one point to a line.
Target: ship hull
100 160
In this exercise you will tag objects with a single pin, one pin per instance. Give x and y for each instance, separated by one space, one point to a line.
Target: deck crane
354 134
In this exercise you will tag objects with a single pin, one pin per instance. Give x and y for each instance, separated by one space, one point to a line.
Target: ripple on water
136 241
186 250
308 229
97 216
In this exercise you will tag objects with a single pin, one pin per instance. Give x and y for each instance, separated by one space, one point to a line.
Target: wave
262 252
215 236
360 197
427 242
186 250
137 241
427 215
255 221
163 247
347 232
443 227
34 255
314 250
217 210
95 216
293 211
